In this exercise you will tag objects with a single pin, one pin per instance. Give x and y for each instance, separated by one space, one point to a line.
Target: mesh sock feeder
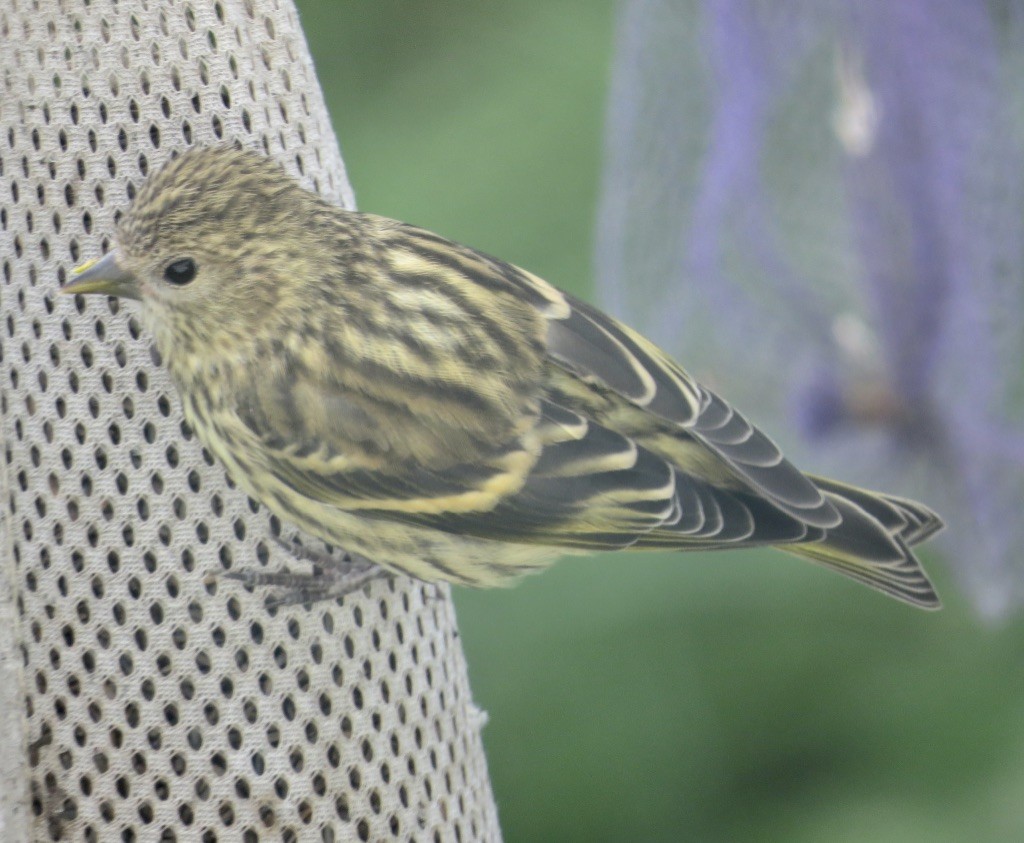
138 699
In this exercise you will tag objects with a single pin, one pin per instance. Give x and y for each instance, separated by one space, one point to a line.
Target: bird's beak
104 276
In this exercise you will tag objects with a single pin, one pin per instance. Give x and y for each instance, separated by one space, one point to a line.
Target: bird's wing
599 351
594 488
576 484
596 349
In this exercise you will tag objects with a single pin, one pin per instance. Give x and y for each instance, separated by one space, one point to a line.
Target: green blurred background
658 697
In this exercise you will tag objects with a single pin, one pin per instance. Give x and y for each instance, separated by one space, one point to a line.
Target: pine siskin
448 415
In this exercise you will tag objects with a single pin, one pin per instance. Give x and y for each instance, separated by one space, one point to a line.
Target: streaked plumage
446 414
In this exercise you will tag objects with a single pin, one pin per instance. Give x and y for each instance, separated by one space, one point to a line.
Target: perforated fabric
155 704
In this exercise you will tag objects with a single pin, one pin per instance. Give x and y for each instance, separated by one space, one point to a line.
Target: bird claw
330 579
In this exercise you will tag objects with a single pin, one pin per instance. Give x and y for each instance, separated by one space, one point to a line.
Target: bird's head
209 247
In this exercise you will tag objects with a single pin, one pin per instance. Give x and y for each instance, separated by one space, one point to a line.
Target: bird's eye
180 272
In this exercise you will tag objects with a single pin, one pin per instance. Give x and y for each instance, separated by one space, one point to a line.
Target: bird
439 413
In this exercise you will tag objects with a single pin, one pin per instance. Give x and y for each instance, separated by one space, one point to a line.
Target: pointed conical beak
105 277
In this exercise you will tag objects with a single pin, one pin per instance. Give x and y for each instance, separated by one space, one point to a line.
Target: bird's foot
330 578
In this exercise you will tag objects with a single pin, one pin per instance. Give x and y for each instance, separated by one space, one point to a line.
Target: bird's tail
872 544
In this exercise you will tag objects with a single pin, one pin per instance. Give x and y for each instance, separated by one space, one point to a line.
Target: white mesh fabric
154 705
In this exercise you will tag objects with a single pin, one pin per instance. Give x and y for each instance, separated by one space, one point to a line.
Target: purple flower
818 206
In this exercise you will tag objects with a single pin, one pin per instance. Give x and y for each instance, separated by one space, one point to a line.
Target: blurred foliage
659 697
